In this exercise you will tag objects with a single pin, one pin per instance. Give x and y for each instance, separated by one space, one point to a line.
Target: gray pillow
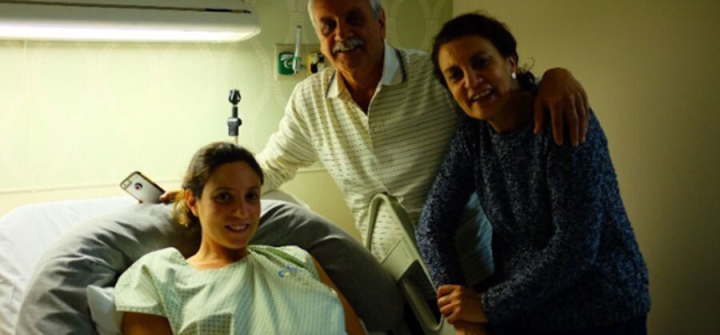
98 251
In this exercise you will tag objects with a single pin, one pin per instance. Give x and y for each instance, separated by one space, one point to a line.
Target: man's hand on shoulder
566 100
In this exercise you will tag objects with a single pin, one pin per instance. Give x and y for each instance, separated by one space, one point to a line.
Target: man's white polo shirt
395 148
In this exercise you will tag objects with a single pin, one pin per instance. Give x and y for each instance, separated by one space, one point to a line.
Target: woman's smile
238 228
485 95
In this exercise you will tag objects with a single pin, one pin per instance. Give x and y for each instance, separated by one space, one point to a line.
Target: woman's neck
516 113
211 255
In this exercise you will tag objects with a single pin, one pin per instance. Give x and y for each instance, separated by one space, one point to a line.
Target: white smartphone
142 188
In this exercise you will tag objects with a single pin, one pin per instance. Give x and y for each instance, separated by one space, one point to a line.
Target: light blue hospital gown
271 291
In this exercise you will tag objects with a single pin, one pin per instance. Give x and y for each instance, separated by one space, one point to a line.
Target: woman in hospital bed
566 259
228 287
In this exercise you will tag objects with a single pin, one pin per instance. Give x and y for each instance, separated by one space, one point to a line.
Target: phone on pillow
142 188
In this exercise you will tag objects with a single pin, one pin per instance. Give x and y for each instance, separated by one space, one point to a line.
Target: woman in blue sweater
566 259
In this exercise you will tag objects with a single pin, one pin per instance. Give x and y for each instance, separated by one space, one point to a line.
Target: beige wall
76 118
652 70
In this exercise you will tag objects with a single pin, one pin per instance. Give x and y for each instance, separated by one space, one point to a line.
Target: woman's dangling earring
513 75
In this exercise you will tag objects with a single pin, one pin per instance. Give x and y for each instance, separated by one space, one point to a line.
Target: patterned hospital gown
271 291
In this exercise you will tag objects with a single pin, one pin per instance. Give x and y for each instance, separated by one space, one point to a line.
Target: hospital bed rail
406 266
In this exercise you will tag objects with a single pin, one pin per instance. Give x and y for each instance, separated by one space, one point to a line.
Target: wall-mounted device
285 63
313 61
128 20
234 121
297 59
316 63
290 59
289 63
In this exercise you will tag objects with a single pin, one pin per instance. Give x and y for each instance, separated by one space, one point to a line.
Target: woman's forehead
234 175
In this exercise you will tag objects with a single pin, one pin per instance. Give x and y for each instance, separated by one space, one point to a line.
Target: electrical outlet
284 54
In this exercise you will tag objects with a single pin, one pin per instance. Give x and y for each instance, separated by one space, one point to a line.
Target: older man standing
379 121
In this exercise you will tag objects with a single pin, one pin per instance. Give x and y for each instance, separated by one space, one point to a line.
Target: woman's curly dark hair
484 26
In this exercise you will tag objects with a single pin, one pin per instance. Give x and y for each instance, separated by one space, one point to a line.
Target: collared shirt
396 148
392 73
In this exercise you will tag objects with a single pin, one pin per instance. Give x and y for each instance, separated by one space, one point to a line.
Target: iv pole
233 121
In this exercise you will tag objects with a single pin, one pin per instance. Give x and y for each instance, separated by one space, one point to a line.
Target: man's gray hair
376 6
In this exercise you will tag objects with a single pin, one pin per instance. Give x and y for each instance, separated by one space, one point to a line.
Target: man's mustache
348 45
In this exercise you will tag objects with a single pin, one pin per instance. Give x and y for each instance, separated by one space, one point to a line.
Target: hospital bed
390 235
405 265
27 233
33 234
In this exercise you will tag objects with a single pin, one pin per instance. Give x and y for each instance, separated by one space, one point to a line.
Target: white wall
652 72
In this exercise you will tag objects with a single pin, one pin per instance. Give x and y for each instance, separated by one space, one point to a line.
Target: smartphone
142 188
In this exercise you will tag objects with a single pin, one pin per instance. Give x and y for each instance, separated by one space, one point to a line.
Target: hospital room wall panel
77 117
651 71
14 110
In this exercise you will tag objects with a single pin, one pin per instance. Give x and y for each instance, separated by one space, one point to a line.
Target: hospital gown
271 291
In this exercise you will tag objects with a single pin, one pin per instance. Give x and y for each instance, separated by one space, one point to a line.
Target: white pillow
101 301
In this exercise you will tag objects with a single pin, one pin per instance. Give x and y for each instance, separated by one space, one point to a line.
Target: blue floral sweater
565 254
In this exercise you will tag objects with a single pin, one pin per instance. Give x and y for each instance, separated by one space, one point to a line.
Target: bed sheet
26 232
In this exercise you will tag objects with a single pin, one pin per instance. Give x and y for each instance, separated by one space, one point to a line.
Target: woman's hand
169 196
567 102
467 328
460 303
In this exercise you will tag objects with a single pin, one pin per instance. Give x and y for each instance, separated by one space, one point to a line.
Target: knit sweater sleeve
575 180
441 214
